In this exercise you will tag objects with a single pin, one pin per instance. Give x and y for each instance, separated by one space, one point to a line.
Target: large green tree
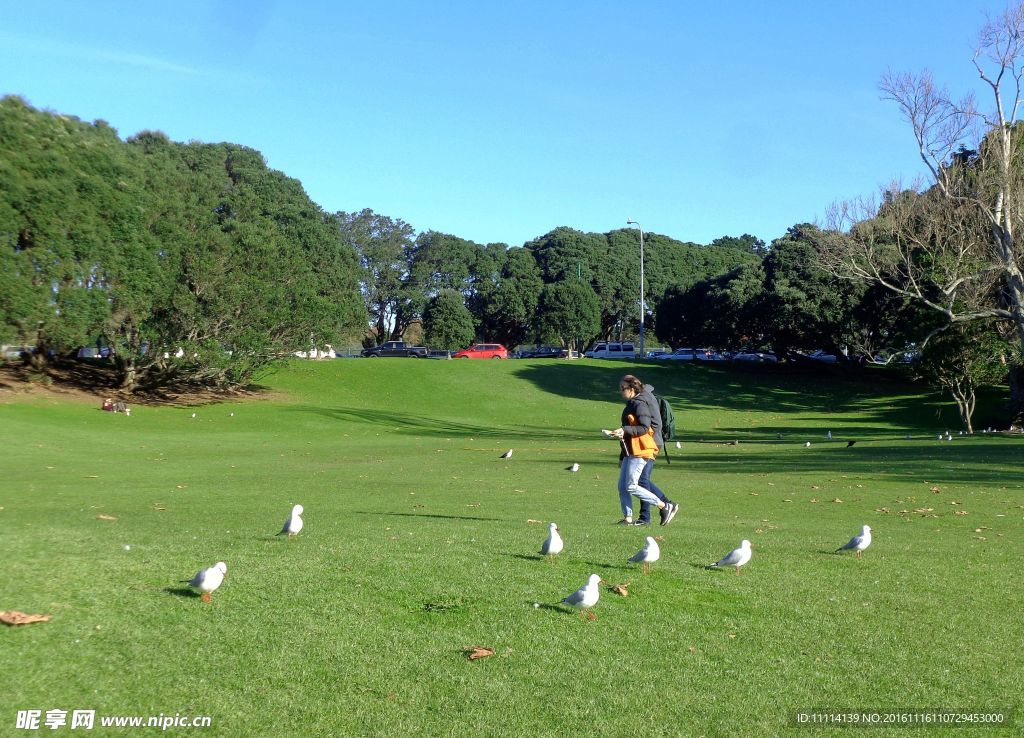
447 324
568 314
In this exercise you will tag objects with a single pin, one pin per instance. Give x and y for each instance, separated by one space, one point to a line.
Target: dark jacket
656 422
638 430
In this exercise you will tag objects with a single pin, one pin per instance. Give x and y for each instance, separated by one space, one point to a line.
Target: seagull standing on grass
575 467
506 455
647 555
858 543
207 580
294 523
737 557
585 597
553 545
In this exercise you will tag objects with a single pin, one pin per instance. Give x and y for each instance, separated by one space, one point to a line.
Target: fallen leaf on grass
754 494
13 617
478 652
979 530
925 510
621 589
980 538
692 649
159 506
960 512
475 504
537 522
814 486
936 490
93 476
837 500
101 516
954 502
814 499
882 510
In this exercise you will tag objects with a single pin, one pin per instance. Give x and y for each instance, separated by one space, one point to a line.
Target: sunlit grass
418 543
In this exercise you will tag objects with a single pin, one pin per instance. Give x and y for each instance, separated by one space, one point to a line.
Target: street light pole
630 221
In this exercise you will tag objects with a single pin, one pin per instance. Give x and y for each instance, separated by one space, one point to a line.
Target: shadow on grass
425 425
525 557
425 515
766 388
182 592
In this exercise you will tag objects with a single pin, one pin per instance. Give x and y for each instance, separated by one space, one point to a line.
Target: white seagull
575 467
807 444
858 543
737 557
207 580
506 455
647 555
293 524
553 545
585 597
829 435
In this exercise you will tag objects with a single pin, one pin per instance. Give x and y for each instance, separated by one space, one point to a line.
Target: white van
610 350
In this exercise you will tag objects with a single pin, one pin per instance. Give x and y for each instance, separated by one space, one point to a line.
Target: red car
483 351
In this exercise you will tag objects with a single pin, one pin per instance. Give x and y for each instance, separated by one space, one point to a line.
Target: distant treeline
196 262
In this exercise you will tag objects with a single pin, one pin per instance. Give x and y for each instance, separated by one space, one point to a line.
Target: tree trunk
127 374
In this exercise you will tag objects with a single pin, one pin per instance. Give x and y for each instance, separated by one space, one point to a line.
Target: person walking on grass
636 447
669 511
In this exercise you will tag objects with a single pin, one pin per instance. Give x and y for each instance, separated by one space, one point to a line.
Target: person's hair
632 383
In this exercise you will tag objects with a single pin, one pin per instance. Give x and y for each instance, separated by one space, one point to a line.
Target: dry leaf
159 506
837 500
93 476
814 486
787 500
754 494
478 652
538 522
101 516
960 512
814 499
936 490
691 649
477 504
954 502
622 589
732 635
980 538
13 617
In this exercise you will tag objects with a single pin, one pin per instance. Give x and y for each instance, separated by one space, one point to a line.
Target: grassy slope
417 544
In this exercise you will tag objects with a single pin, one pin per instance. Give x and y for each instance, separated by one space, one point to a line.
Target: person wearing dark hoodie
671 508
637 446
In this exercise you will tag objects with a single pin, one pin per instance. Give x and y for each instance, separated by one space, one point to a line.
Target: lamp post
630 221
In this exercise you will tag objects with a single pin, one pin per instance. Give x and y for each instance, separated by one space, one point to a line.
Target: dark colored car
396 348
545 352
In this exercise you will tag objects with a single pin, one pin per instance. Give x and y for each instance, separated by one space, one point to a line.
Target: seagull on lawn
294 523
737 557
647 555
575 467
207 580
850 443
506 455
553 545
829 435
585 597
858 543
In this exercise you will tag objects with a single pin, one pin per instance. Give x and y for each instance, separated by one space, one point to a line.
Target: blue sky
497 122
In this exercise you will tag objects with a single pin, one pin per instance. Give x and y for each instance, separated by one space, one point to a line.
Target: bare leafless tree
951 243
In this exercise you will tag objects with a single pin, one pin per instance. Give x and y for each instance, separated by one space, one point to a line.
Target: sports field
419 542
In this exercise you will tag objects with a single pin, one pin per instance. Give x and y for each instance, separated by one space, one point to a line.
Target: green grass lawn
420 542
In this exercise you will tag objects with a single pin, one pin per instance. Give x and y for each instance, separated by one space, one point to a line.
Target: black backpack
668 419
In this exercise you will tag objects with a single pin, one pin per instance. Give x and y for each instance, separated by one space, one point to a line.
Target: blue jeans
646 483
630 470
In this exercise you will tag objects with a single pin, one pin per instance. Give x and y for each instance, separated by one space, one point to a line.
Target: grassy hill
420 542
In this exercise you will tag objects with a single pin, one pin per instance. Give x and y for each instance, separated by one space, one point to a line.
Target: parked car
822 356
544 352
755 356
681 354
611 350
396 348
483 351
657 354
